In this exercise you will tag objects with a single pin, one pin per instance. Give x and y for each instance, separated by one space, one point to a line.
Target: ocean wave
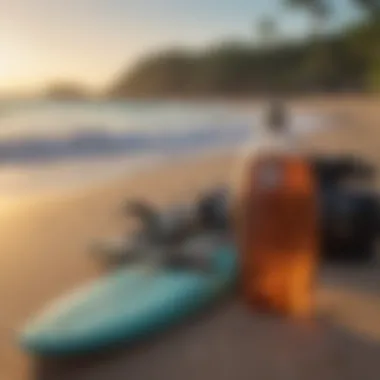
97 143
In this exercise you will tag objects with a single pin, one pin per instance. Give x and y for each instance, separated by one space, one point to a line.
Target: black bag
336 170
350 223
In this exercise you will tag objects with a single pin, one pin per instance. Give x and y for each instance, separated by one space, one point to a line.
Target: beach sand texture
44 244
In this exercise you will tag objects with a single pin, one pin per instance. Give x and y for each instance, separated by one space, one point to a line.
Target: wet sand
45 252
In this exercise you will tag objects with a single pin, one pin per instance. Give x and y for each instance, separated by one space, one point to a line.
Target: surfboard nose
40 339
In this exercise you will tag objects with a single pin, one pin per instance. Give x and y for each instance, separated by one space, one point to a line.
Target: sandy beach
45 243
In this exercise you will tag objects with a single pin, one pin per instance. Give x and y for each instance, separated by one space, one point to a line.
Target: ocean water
51 145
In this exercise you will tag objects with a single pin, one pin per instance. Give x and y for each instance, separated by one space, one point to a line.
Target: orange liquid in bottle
278 235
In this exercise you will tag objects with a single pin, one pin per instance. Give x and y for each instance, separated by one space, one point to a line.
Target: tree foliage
318 8
346 61
323 8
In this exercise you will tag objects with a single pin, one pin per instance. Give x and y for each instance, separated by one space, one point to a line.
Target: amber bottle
277 233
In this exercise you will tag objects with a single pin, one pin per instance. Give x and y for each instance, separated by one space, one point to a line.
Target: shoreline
77 173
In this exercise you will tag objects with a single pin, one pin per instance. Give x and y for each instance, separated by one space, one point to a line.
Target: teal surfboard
127 305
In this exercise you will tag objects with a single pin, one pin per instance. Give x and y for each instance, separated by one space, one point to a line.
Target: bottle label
270 176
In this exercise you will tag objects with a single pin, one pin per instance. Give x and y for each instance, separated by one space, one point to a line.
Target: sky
91 41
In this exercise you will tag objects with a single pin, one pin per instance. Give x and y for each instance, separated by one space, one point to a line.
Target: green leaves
372 6
318 8
323 8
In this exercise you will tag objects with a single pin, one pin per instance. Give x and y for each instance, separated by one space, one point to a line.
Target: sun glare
13 62
8 57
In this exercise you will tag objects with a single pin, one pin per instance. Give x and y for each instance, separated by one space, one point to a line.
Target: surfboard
127 305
